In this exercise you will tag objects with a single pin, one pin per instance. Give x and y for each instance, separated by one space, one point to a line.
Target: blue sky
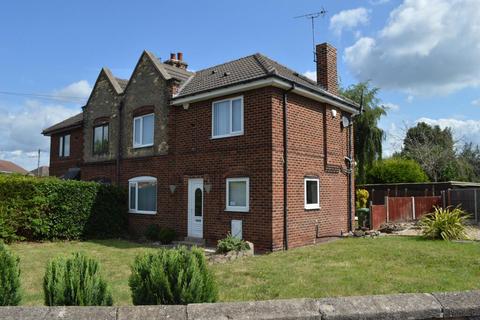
423 55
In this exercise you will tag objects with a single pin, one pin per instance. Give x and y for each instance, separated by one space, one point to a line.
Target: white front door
195 208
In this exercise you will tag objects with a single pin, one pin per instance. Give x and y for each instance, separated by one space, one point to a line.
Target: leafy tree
468 161
396 170
433 148
368 136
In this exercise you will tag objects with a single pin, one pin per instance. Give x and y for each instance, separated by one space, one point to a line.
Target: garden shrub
361 198
231 243
172 276
9 277
75 281
50 208
396 170
163 234
446 224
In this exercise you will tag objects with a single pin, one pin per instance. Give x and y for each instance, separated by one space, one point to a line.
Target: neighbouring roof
10 167
70 122
44 171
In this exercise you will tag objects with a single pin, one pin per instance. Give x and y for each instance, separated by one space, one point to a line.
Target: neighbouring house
10 167
41 171
248 147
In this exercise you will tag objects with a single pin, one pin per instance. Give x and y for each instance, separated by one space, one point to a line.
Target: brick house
249 147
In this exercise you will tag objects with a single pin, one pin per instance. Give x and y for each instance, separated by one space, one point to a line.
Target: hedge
49 208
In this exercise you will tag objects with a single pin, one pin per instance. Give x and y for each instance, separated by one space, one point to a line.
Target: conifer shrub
75 281
9 277
172 276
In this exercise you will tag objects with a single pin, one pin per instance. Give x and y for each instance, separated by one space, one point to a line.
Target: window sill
312 208
235 210
227 136
150 213
143 146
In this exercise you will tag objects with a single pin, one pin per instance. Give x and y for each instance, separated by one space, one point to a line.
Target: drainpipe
285 167
119 146
349 175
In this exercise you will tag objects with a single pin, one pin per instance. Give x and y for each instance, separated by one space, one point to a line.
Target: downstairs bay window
143 195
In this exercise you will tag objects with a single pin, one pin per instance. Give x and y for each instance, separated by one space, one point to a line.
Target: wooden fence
402 209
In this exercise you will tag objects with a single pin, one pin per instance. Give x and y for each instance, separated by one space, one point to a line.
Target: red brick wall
60 165
310 143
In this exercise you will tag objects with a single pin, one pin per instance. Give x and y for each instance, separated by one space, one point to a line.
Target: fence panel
400 209
378 215
468 199
424 205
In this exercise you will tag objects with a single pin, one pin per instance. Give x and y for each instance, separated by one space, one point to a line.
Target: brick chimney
327 67
176 60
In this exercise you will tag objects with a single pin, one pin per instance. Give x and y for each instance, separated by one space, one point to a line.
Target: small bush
75 281
230 243
163 234
152 232
361 198
172 276
395 170
9 278
446 224
167 235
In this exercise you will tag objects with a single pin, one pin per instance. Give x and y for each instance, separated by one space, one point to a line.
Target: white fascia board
259 84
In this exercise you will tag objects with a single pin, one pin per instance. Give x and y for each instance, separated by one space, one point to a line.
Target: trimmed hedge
50 208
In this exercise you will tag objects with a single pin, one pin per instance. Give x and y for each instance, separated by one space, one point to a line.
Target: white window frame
141 144
61 147
134 182
245 208
231 133
312 205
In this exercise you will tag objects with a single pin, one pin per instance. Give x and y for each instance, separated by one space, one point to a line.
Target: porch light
172 188
207 187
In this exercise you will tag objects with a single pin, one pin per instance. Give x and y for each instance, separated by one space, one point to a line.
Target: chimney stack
327 67
176 60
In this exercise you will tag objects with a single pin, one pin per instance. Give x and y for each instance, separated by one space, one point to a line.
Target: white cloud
476 102
463 130
78 90
348 20
22 124
393 140
391 106
311 75
425 48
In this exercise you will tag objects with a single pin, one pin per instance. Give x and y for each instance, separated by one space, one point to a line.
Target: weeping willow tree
368 136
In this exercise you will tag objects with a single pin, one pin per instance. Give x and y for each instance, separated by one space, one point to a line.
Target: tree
468 161
433 148
368 136
396 170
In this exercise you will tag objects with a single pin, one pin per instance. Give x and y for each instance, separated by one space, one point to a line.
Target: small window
143 195
312 193
100 139
227 118
237 194
143 128
64 146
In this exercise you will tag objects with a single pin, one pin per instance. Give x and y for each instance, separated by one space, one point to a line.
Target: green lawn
340 268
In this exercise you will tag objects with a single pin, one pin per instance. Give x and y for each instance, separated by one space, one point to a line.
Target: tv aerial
312 16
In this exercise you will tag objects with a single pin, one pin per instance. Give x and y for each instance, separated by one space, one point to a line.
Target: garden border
443 305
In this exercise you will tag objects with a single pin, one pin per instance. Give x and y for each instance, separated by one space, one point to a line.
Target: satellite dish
345 122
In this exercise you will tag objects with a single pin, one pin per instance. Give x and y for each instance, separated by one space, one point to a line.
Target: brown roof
70 122
10 167
249 68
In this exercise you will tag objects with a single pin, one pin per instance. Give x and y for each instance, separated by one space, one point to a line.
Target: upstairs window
227 118
312 193
143 195
100 139
143 131
64 146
